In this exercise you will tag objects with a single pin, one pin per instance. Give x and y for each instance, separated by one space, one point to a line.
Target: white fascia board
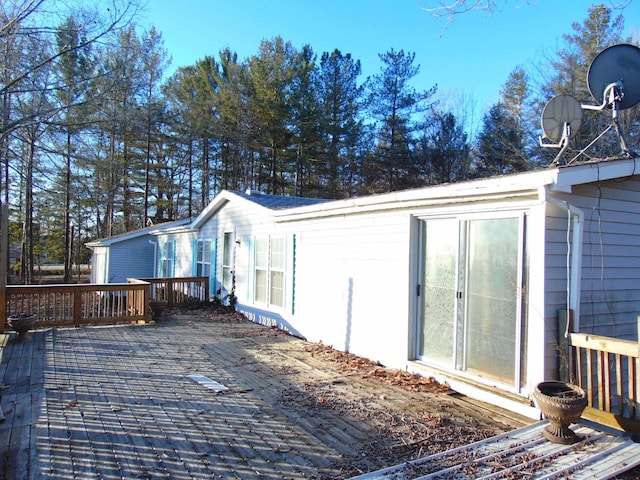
217 203
174 230
497 188
212 207
591 172
176 224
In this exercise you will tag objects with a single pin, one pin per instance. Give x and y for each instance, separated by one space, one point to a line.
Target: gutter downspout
574 257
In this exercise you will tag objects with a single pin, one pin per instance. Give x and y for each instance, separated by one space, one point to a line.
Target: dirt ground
410 416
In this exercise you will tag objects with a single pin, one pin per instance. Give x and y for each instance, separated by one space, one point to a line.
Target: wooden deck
112 402
194 398
116 402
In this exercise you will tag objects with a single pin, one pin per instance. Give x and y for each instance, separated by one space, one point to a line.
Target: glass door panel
439 281
491 296
471 273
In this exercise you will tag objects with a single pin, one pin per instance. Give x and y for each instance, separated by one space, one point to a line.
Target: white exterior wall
355 277
183 258
244 220
352 284
99 262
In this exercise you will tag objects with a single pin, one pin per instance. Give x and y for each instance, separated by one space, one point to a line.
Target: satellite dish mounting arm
563 144
613 93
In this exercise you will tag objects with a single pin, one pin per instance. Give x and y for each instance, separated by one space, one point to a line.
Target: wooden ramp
524 453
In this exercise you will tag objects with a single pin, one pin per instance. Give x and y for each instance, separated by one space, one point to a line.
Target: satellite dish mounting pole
612 96
564 142
616 120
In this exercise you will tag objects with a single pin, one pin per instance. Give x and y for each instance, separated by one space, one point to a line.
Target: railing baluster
600 377
619 384
578 368
633 387
589 375
605 383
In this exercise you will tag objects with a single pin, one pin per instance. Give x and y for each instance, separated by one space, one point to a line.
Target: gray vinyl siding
131 259
555 282
610 274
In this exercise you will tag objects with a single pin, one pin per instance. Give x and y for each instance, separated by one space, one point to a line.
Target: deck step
524 452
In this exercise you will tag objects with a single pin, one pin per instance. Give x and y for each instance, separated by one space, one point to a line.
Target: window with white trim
276 271
166 262
203 258
269 270
227 262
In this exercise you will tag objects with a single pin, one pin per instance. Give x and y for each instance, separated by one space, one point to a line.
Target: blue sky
473 56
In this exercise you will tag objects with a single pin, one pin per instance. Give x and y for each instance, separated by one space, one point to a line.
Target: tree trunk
68 244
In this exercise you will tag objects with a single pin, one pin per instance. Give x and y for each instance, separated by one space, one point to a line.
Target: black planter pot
21 324
562 404
157 307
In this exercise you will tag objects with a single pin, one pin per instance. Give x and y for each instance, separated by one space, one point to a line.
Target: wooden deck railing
58 305
179 291
608 370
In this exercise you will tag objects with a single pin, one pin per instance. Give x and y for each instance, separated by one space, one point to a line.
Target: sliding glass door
471 284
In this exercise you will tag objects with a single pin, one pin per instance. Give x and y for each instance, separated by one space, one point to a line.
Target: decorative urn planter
157 307
21 323
562 404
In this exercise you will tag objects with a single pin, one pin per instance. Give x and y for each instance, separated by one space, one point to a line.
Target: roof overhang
151 230
218 202
514 186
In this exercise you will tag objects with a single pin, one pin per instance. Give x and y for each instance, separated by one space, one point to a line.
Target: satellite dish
559 113
617 66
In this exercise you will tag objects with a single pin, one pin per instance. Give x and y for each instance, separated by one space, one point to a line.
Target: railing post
206 290
170 292
636 383
77 306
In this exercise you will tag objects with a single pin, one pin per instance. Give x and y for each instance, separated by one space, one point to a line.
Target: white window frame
227 261
166 262
203 258
270 271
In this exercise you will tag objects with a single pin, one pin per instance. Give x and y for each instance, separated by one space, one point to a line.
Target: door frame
416 276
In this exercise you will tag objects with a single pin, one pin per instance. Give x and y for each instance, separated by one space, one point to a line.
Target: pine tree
75 69
271 74
501 144
393 105
443 151
341 99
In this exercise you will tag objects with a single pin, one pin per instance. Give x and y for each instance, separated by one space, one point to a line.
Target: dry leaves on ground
351 364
